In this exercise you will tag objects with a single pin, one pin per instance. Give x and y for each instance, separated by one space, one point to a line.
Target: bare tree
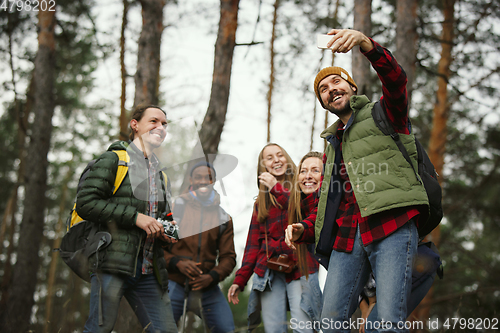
213 123
361 66
439 133
406 39
51 279
147 77
17 316
272 55
123 112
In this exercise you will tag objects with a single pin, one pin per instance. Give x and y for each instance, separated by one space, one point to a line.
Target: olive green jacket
117 213
381 178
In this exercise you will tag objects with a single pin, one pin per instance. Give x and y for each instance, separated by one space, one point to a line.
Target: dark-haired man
204 255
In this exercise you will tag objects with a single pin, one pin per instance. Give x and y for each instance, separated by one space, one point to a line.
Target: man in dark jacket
204 254
133 264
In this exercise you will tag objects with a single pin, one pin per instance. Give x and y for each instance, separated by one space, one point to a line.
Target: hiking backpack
82 238
425 173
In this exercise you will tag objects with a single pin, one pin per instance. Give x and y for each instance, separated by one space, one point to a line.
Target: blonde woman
272 290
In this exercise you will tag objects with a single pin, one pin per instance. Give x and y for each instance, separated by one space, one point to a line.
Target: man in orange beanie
370 198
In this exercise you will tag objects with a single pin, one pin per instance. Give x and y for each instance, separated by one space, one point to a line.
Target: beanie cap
203 163
327 71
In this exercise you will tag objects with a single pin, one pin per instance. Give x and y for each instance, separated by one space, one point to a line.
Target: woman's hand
292 233
267 179
232 294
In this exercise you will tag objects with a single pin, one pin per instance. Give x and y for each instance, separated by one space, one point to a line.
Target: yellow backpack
83 239
121 172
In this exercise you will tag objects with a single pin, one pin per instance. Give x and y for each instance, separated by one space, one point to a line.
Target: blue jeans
274 301
216 312
391 260
416 296
143 292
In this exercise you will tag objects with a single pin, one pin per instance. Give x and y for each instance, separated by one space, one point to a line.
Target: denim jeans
143 292
216 312
391 261
416 296
274 301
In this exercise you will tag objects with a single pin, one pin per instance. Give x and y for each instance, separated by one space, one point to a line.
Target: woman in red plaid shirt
271 290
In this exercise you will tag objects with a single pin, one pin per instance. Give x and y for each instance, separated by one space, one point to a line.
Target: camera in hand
171 230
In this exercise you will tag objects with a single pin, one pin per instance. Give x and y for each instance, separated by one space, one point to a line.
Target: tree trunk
53 262
123 112
406 40
213 123
437 142
147 77
361 66
17 316
11 208
334 17
10 222
271 75
438 139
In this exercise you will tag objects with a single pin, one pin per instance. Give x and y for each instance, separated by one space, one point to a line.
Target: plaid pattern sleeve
393 78
395 102
252 252
282 195
310 209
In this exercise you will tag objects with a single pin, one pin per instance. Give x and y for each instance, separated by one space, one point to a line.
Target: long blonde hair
295 211
265 199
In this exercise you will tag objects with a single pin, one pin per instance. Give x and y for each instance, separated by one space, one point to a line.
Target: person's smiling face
152 127
335 94
274 160
201 181
309 177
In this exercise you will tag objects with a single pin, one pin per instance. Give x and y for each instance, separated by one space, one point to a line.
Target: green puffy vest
380 176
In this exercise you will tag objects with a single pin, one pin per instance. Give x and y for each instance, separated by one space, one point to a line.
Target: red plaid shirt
395 102
254 257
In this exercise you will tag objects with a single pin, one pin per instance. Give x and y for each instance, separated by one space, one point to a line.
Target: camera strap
265 233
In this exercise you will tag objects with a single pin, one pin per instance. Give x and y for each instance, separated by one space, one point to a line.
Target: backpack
425 173
82 238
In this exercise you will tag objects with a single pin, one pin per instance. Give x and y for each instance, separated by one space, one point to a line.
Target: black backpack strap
380 118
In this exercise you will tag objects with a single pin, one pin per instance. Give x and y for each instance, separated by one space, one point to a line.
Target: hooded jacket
206 241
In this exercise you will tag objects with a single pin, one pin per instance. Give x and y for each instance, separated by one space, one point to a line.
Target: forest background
237 74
